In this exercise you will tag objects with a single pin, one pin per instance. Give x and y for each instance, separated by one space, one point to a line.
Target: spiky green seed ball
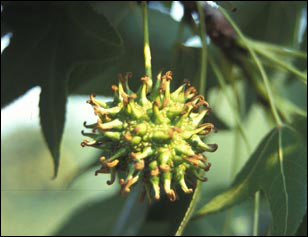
153 135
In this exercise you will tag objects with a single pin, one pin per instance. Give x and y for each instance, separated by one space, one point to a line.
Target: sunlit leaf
279 172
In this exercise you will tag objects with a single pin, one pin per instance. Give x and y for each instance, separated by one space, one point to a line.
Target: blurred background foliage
61 52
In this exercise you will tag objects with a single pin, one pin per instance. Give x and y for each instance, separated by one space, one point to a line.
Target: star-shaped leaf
49 40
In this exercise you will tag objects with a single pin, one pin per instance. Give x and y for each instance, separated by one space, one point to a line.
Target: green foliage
78 48
124 218
278 171
57 37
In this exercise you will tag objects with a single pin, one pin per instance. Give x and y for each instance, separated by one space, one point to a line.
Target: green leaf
280 172
49 41
52 116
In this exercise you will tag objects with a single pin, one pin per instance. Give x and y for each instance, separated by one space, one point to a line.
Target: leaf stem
147 51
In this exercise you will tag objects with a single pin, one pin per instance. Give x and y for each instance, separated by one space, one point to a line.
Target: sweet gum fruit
154 136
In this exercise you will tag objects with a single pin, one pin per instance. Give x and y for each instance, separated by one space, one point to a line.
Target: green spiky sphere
154 136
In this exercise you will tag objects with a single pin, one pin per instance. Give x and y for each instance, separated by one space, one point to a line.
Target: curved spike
112 176
157 116
207 167
141 129
204 128
187 134
164 160
134 111
139 165
166 102
166 84
131 169
85 142
196 140
102 170
161 136
124 97
190 93
116 96
202 102
175 110
123 81
197 163
110 111
180 177
115 124
126 77
141 155
121 152
135 140
154 180
184 186
154 170
148 82
93 125
156 90
111 164
128 136
184 148
131 181
198 101
91 135
167 177
142 92
186 112
96 102
197 117
112 135
178 94
122 92
198 176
